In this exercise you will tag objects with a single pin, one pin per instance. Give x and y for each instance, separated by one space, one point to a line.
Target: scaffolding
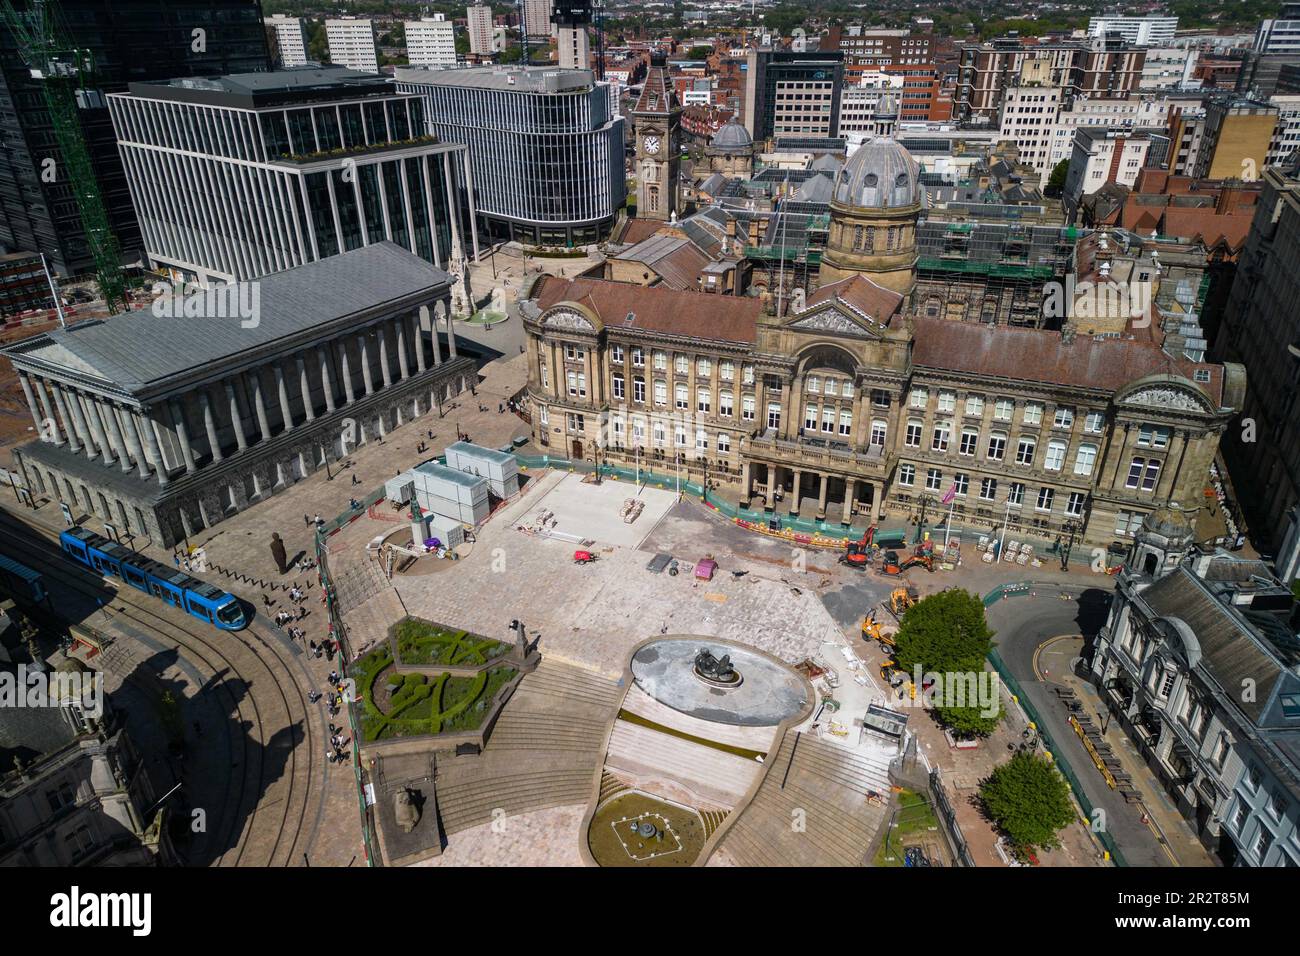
996 268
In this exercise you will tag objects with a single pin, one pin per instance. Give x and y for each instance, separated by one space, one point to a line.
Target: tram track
265 817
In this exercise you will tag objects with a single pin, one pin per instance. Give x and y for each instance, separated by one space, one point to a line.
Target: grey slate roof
1229 651
137 348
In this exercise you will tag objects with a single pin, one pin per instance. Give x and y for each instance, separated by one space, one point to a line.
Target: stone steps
610 786
474 801
526 730
825 788
570 684
708 772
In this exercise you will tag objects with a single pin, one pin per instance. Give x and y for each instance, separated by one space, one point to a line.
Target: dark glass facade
131 41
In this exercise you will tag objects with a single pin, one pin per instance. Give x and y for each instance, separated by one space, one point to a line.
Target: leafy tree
1056 179
946 633
1029 800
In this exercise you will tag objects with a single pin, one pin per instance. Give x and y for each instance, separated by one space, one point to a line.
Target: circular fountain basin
769 693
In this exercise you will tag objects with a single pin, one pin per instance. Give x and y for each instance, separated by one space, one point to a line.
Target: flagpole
948 527
1002 543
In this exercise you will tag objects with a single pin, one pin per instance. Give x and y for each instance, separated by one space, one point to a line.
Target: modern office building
545 149
130 41
163 427
290 40
790 93
1169 68
352 44
431 41
1238 134
478 20
1144 31
1102 155
1280 35
1261 329
24 285
572 18
537 18
237 176
1106 67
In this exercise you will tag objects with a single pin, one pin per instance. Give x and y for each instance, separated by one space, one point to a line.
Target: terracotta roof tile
721 318
864 295
1038 355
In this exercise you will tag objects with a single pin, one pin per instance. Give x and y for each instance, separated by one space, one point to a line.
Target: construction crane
64 72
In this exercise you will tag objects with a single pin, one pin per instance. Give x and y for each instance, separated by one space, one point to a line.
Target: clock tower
656 122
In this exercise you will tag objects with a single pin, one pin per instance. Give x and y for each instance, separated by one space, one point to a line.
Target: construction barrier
339 633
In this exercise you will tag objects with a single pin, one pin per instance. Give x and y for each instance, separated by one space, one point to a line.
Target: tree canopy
1029 800
946 633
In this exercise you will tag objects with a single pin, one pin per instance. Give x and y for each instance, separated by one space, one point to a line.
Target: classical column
283 389
151 441
821 495
96 432
305 385
451 334
44 395
31 403
418 337
403 366
210 424
346 370
771 487
236 418
124 424
744 481
383 354
326 377
68 424
363 340
106 436
794 498
1169 469
183 434
259 405
433 334
79 423
124 456
850 486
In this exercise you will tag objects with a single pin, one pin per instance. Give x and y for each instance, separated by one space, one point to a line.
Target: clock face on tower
651 144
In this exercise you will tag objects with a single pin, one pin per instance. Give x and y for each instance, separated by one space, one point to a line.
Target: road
1023 624
253 779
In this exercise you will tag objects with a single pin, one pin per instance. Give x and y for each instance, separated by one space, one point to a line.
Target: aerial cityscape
578 433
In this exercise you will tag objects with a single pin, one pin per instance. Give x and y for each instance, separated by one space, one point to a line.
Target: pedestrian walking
312 645
266 601
306 519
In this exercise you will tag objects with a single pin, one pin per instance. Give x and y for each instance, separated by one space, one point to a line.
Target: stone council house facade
849 405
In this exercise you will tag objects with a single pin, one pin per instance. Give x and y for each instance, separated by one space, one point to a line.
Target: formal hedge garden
420 642
395 704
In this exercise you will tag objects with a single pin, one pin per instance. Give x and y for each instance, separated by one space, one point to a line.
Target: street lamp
1072 529
925 502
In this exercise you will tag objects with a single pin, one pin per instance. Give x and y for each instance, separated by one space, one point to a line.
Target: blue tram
204 601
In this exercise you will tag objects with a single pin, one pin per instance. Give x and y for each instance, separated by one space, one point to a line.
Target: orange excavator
893 566
857 554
